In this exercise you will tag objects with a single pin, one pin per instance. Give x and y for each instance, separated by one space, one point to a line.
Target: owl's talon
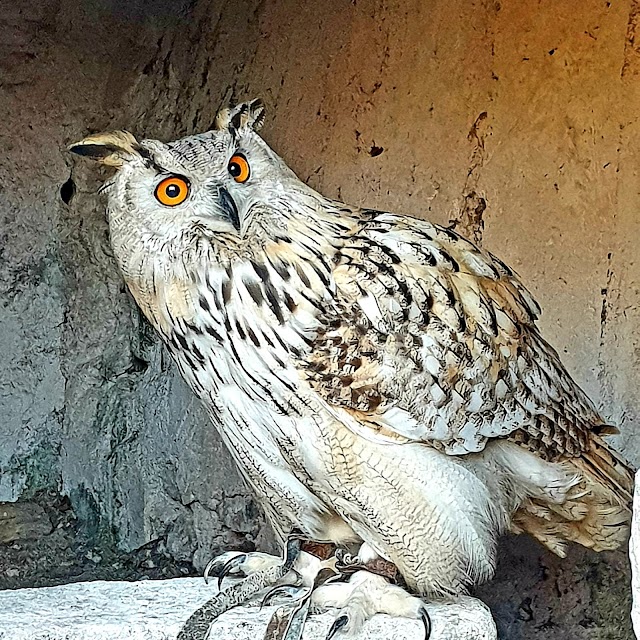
363 596
229 567
220 566
238 563
287 589
344 557
426 621
262 571
339 623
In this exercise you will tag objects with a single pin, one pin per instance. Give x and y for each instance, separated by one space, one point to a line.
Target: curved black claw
426 621
221 572
229 566
339 623
285 589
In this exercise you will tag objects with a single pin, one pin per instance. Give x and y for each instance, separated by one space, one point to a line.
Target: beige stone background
516 122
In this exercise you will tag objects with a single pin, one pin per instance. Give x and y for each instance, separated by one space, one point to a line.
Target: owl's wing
433 339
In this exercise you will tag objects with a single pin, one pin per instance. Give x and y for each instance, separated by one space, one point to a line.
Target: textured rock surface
156 610
23 521
516 121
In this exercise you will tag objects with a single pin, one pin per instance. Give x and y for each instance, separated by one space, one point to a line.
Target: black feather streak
261 271
323 276
213 333
204 303
289 301
253 337
272 298
269 290
255 291
303 276
281 269
182 340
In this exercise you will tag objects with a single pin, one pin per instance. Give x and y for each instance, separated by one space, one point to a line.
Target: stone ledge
156 609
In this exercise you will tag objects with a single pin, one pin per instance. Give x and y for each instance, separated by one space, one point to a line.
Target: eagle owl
378 379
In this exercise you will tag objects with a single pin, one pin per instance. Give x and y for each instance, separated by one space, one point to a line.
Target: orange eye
172 191
239 168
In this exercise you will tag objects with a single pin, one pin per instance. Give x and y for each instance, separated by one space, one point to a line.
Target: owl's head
214 182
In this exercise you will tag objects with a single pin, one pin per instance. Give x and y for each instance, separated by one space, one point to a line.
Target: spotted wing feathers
434 339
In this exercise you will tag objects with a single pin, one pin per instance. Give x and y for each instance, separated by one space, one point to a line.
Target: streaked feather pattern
377 378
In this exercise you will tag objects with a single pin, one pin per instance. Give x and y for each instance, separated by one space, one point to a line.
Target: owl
379 380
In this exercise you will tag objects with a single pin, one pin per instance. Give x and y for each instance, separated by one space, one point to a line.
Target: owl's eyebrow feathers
150 160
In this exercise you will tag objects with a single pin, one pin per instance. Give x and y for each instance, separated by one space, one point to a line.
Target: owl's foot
263 570
362 597
239 565
365 560
463 617
288 621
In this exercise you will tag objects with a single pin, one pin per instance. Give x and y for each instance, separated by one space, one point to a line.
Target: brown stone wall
517 122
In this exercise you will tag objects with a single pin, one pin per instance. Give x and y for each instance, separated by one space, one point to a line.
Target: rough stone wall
516 122
89 402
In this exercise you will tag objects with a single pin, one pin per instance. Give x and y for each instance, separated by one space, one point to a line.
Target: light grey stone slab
155 610
634 557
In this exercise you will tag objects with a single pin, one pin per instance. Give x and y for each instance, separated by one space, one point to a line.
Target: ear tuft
112 148
245 115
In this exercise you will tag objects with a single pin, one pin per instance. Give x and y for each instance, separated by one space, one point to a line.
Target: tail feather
597 511
609 467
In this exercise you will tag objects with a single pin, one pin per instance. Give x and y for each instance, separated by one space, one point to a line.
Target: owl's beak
229 207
